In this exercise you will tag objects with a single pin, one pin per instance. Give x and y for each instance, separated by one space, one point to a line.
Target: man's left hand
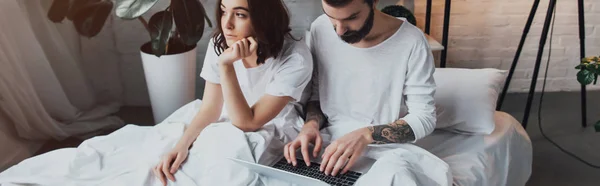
347 148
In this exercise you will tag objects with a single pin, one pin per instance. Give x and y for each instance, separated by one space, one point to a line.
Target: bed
504 157
501 158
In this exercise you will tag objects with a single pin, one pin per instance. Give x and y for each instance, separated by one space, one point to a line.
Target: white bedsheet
501 158
126 156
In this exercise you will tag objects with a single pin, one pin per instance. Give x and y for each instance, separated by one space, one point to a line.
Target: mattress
502 158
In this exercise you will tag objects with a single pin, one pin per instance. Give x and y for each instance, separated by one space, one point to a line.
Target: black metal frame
545 29
447 7
428 17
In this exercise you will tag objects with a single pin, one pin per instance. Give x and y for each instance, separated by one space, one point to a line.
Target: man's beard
354 36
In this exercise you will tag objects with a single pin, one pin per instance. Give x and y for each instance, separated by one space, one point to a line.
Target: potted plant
589 69
168 58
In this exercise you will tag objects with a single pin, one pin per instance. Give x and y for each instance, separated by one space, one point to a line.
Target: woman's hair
271 24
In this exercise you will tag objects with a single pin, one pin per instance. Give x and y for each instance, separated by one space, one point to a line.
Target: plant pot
170 79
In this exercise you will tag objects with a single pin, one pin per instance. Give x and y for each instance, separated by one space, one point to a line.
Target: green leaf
578 67
160 25
132 9
58 10
90 19
591 68
585 77
597 126
189 18
76 5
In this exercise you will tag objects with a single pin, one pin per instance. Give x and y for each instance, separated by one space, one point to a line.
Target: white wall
483 33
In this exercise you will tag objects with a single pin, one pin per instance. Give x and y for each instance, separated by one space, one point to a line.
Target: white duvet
126 156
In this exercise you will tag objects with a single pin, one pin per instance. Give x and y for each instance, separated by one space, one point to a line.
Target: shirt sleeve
291 77
210 69
419 90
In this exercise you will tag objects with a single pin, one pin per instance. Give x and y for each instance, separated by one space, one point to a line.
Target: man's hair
342 3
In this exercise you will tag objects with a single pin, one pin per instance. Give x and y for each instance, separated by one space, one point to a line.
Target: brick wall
483 34
486 33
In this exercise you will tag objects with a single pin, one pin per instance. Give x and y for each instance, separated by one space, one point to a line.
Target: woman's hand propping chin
239 50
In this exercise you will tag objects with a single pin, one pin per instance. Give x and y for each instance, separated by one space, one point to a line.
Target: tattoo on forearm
396 132
313 112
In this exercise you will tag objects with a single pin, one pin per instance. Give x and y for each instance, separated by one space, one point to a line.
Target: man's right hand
309 134
169 164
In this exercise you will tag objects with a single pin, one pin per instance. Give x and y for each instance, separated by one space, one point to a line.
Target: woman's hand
169 164
239 50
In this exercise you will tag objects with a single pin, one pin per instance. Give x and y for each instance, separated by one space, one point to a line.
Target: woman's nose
229 22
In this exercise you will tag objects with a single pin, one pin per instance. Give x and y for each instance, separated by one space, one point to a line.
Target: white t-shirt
358 87
286 75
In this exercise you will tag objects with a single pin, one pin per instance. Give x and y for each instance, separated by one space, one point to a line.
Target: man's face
352 22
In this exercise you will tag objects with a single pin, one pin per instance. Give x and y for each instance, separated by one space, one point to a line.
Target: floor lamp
548 19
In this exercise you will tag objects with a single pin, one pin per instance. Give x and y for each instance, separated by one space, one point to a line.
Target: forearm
314 114
204 118
396 132
238 109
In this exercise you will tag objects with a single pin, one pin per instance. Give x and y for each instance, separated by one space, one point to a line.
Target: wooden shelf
434 44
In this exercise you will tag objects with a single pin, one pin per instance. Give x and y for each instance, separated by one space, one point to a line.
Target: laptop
303 175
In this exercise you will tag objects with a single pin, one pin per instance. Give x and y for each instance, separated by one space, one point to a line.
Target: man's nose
340 29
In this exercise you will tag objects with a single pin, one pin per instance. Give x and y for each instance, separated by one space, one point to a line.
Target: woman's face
235 20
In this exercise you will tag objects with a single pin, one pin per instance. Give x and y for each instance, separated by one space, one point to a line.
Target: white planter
171 81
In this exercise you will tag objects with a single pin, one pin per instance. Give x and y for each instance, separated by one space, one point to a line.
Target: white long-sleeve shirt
358 87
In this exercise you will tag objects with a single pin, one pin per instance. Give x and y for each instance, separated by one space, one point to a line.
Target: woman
253 67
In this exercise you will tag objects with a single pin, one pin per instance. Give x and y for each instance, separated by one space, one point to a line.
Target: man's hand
349 146
309 134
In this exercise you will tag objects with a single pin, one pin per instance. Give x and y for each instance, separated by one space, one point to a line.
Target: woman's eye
240 15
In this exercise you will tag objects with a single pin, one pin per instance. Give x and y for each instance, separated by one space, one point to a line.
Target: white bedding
501 158
126 156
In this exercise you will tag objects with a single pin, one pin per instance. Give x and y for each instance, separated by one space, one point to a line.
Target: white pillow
466 99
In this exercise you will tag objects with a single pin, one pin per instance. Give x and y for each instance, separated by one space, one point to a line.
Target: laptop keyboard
313 171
